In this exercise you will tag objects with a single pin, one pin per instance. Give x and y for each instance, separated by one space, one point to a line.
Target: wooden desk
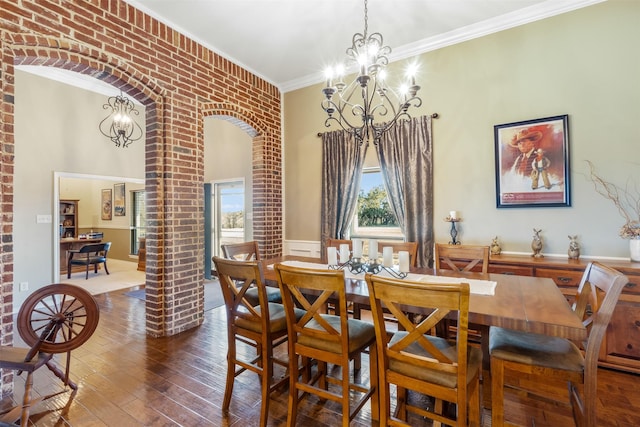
532 304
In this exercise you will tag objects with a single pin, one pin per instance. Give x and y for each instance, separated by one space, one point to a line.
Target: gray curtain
342 162
405 155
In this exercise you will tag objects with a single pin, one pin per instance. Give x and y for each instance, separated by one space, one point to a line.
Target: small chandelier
119 125
380 107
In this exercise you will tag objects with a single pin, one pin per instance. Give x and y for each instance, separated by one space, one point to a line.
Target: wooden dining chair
325 338
57 318
245 251
262 326
538 359
249 251
461 258
335 243
411 247
414 360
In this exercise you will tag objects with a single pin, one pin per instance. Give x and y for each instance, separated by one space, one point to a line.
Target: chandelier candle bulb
373 250
357 248
332 256
403 258
453 214
344 253
387 256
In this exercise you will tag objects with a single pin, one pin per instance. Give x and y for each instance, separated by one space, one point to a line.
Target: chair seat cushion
277 319
535 349
448 348
90 260
361 334
273 295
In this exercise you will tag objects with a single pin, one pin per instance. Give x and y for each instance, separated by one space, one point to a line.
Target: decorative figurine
536 244
495 246
574 247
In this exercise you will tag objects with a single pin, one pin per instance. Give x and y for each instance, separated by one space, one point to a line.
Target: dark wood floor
128 379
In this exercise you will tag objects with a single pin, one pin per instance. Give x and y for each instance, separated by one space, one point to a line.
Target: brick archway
266 176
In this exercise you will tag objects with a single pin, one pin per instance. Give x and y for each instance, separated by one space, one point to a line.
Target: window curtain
406 161
342 163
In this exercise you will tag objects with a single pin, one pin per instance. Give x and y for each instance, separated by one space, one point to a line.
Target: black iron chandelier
119 126
367 107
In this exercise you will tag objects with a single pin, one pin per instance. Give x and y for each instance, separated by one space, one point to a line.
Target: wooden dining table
523 303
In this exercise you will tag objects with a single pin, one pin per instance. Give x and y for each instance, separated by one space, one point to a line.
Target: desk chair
325 338
539 358
92 254
54 319
412 359
262 326
250 251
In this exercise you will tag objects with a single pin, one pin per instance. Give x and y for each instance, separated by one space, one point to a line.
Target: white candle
332 256
453 214
403 258
387 256
373 250
344 253
357 248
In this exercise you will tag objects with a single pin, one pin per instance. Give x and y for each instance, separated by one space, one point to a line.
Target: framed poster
106 204
119 199
532 163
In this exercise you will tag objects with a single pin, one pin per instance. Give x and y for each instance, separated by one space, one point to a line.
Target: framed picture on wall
106 204
119 199
532 163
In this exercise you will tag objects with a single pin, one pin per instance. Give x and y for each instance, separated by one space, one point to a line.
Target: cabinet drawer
633 287
563 278
511 269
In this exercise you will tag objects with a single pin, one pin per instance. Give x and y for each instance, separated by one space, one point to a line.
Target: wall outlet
24 286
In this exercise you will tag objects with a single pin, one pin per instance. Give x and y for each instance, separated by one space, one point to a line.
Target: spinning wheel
68 313
57 318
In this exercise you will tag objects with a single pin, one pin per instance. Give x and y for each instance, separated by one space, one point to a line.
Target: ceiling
290 42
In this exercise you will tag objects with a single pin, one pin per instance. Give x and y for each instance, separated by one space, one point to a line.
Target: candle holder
453 231
357 265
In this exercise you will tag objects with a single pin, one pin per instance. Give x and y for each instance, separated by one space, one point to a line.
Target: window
138 219
374 217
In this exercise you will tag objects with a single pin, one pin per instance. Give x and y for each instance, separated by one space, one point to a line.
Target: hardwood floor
129 379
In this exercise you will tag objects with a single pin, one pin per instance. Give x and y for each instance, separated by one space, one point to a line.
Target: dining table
523 303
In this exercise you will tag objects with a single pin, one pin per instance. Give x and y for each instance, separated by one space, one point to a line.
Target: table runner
476 286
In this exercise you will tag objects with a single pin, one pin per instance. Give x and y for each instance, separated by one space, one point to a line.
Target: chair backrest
442 299
245 251
411 247
95 248
335 243
236 278
598 295
461 257
310 289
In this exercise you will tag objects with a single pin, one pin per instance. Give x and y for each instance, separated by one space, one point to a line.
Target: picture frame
106 203
532 163
119 200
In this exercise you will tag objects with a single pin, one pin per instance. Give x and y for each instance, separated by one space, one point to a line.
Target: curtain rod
433 116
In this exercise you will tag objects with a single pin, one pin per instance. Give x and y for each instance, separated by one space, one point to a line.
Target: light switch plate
43 219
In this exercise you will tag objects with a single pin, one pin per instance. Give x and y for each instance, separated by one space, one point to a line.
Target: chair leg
87 274
231 373
374 383
105 267
265 382
497 392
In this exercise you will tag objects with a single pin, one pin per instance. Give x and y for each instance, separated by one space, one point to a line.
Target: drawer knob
631 285
564 279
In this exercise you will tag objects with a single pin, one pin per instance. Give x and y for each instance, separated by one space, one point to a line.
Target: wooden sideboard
621 346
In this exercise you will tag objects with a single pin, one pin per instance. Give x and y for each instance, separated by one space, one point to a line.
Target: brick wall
179 82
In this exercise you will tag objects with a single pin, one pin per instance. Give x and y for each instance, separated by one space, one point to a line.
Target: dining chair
57 318
448 371
92 254
325 338
411 247
262 326
461 258
539 358
249 251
